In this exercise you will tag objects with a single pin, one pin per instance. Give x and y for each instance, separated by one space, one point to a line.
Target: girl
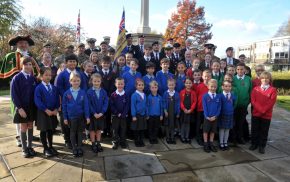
171 104
75 108
22 93
188 101
95 58
226 122
223 66
46 98
258 69
180 76
98 104
138 112
263 99
121 65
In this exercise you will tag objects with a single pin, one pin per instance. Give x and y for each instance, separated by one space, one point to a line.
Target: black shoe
75 152
173 141
123 145
68 145
182 140
151 141
188 141
262 150
100 148
31 151
155 141
212 148
142 144
26 153
253 147
242 141
200 142
80 152
222 148
206 148
53 151
168 141
227 147
137 144
115 146
94 148
35 138
47 153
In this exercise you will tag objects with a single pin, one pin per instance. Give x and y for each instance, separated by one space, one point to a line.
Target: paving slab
281 145
93 170
8 145
4 172
31 171
179 145
185 176
138 179
16 159
191 159
148 147
126 166
277 169
238 172
195 145
7 179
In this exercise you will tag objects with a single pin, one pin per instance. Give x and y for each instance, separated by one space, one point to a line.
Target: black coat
156 61
142 65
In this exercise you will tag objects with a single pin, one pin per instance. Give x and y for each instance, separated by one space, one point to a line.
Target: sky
234 22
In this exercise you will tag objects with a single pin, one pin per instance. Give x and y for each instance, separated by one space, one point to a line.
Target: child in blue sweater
98 103
75 108
226 121
211 103
171 107
139 113
180 76
46 98
163 75
154 111
88 68
149 77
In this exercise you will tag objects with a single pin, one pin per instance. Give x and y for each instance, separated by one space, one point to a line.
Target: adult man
82 56
242 59
230 59
104 48
156 55
176 52
91 42
69 49
188 43
188 59
130 47
145 59
169 55
210 48
108 40
141 45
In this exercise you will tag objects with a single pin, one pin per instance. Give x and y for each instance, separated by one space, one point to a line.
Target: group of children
191 102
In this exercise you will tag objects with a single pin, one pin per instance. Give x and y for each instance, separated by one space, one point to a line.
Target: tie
27 76
156 56
147 59
48 88
213 96
227 95
106 73
240 78
141 46
134 73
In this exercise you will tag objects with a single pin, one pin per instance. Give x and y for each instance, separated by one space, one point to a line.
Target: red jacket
189 73
193 99
263 102
200 91
256 82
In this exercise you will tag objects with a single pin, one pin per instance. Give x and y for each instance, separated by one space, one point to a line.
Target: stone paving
162 162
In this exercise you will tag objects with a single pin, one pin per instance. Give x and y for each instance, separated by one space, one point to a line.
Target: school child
163 75
188 102
196 79
231 70
257 81
263 99
22 93
139 113
223 66
195 66
98 104
119 102
180 76
206 64
63 84
154 111
201 89
129 57
46 99
88 68
243 85
149 77
121 65
171 105
226 120
216 73
228 77
131 76
75 108
211 103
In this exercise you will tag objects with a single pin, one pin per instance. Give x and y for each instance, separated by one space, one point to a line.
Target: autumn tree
188 22
284 29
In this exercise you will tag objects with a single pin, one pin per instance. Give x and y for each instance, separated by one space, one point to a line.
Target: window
286 55
277 55
282 54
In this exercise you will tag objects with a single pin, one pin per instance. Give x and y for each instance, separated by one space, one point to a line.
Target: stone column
144 19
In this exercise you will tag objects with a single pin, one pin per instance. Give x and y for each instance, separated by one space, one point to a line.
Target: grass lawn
284 101
4 92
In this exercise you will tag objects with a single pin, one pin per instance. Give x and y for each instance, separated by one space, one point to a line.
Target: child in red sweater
263 99
201 89
257 81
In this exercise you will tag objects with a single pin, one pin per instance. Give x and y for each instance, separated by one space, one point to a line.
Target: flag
78 35
121 40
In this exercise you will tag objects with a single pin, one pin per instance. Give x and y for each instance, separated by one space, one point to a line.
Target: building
272 52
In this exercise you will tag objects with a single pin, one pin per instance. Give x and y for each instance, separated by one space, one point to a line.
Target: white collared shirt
142 95
46 85
147 58
105 71
225 94
181 75
120 93
212 95
164 72
241 77
171 93
196 82
69 71
23 53
230 61
215 74
26 75
265 87
150 76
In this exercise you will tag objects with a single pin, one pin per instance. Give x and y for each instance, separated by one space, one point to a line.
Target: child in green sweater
243 87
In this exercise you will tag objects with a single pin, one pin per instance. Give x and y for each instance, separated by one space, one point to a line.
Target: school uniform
155 58
147 79
188 101
211 103
256 82
53 71
98 103
173 63
108 80
138 109
142 64
46 96
180 79
204 66
171 104
263 99
122 70
219 78
188 64
195 85
154 111
130 78
161 78
22 95
119 102
86 80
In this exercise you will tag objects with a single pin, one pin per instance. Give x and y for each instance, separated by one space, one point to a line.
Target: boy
201 89
163 75
86 74
196 79
215 67
211 103
22 95
195 65
258 69
243 85
63 85
131 76
119 103
149 77
231 70
154 111
144 60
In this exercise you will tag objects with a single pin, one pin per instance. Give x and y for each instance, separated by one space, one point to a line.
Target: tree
284 29
188 22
